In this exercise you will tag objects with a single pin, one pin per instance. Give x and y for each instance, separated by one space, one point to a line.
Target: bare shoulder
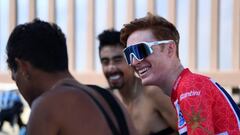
155 92
62 98
162 103
55 103
159 99
55 98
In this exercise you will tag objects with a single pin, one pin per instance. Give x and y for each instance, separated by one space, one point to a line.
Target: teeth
114 77
141 71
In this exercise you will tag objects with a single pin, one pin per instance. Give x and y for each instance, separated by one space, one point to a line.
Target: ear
23 66
171 49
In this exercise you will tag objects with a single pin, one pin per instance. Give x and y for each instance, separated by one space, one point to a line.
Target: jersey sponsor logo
181 120
190 94
182 127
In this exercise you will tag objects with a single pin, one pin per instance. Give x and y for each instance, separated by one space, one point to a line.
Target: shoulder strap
115 107
108 119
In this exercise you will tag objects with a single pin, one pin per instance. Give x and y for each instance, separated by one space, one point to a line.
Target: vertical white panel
81 30
225 37
61 14
141 8
4 8
42 9
162 8
120 14
183 29
22 11
101 24
204 31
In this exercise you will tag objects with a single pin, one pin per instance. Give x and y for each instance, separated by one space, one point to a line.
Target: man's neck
131 90
52 79
46 81
169 84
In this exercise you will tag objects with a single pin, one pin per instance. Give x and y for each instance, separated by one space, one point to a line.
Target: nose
134 61
112 67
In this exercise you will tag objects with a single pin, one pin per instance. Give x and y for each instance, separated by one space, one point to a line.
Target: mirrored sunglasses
141 50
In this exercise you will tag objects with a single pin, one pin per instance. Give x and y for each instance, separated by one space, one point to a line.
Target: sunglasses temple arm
160 42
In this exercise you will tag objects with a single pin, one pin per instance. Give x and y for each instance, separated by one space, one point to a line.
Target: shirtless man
150 109
37 58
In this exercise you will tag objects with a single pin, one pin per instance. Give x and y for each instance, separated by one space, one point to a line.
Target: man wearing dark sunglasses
151 110
202 105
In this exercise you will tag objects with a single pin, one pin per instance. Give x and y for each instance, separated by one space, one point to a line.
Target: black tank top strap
115 107
166 131
107 117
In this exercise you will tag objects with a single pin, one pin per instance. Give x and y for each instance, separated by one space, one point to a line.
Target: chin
149 80
145 81
115 86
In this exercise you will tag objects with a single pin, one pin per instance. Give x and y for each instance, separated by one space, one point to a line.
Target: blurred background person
11 108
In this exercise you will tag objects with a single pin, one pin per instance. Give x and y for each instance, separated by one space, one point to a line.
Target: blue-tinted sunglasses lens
139 51
127 53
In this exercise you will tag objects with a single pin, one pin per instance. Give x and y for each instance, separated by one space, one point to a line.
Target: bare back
68 110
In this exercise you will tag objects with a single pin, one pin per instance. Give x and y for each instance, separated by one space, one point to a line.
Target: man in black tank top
151 110
60 105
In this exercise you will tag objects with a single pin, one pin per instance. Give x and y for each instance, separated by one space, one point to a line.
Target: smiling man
202 105
151 110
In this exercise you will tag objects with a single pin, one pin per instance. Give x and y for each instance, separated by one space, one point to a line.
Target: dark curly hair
109 37
160 27
41 43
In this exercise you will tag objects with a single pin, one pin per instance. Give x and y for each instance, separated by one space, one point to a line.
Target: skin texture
59 109
150 109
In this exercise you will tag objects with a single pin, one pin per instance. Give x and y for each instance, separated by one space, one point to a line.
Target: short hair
41 43
160 27
109 37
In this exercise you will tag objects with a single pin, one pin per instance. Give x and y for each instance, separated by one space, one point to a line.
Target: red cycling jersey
203 107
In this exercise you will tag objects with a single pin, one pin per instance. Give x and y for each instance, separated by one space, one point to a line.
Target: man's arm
163 105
